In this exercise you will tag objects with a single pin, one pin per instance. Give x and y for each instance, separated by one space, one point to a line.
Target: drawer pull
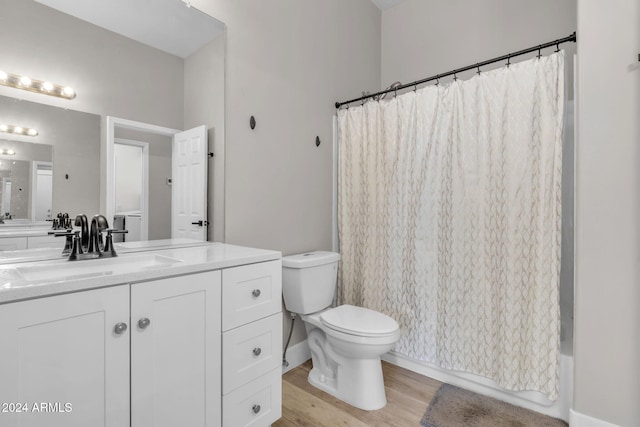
143 323
256 409
257 351
120 328
256 293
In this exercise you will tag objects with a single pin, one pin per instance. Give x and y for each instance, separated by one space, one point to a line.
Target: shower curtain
449 220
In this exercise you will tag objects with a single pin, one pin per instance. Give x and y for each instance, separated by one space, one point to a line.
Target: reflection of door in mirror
42 190
6 196
131 159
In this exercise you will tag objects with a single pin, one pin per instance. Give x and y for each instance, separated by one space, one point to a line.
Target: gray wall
422 38
607 335
204 104
288 62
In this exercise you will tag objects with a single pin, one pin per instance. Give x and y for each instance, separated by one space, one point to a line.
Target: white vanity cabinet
175 351
252 344
61 362
201 349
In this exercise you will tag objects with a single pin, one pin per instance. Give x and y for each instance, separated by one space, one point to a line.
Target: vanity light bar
7 151
18 130
33 85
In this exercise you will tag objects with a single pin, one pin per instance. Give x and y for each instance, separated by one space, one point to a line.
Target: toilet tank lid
310 259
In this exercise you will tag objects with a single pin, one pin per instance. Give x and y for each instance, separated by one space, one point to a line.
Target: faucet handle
108 245
70 245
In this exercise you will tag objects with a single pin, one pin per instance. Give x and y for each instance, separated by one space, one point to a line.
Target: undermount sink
93 268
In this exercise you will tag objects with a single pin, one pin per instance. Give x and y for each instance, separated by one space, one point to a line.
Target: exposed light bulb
3 75
47 86
18 129
4 128
68 91
25 81
32 132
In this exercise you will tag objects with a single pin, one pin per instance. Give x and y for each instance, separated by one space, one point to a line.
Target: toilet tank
309 281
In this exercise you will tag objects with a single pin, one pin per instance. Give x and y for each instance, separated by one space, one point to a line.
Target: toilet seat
359 321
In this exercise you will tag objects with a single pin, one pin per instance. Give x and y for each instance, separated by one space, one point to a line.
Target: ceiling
385 4
168 25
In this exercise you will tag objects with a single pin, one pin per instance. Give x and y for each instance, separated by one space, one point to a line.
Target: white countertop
45 278
52 254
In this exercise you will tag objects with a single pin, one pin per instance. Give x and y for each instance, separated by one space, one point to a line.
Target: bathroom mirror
119 67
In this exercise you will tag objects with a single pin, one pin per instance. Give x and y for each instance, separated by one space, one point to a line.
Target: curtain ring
539 53
455 76
395 93
437 79
558 47
508 60
478 66
415 87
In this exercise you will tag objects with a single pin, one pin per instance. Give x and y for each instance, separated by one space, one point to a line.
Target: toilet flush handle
256 293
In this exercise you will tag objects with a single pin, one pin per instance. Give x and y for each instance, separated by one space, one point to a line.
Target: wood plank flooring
408 395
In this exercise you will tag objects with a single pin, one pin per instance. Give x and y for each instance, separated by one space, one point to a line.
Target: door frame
110 176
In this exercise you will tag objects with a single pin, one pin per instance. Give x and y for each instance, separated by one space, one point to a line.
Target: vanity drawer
250 351
251 292
256 404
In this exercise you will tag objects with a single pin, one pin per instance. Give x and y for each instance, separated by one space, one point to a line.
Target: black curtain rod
571 38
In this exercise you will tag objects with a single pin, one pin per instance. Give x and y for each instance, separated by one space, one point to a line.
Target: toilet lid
359 321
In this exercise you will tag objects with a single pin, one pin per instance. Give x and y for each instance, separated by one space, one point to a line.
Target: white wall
607 331
288 62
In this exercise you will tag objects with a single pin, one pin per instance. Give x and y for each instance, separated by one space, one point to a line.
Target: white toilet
346 342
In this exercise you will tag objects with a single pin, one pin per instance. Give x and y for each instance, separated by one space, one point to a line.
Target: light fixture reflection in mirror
18 130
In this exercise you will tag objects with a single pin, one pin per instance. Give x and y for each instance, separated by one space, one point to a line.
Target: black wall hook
317 141
252 122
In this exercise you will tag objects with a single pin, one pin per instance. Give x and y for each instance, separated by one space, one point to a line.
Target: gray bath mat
455 407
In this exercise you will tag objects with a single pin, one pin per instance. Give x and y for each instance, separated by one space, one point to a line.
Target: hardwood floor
408 395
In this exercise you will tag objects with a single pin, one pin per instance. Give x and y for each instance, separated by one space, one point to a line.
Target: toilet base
359 383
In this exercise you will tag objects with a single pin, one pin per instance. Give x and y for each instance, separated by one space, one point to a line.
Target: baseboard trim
296 355
576 419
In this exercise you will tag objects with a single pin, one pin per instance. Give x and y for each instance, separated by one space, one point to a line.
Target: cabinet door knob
143 323
256 409
120 328
257 351
256 293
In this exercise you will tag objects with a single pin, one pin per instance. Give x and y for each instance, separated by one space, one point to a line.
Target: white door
175 351
64 351
189 184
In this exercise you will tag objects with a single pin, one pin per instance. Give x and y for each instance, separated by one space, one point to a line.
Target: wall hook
317 141
252 122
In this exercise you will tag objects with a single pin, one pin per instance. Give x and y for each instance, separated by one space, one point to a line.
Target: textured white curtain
449 220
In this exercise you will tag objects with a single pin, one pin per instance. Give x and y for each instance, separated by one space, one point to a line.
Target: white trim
335 245
112 123
296 355
577 419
